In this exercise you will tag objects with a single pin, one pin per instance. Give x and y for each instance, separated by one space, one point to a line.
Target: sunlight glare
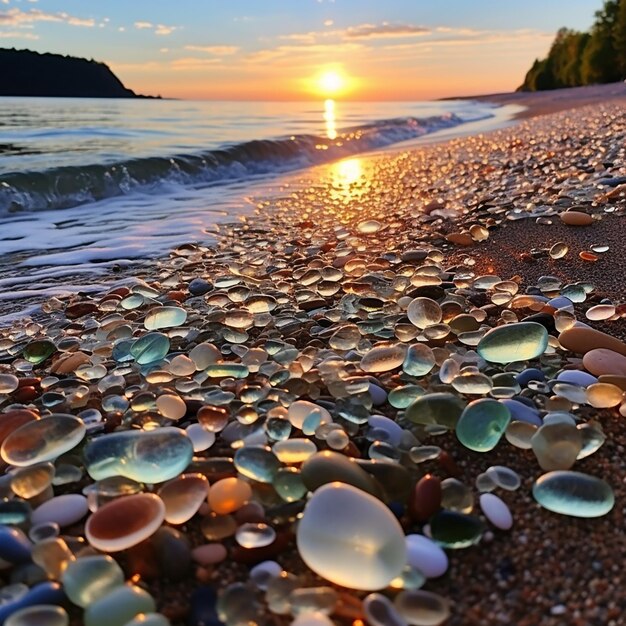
331 82
330 119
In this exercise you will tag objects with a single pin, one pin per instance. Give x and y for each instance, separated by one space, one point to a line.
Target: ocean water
85 184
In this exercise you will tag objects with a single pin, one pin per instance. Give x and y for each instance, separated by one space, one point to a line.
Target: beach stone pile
304 424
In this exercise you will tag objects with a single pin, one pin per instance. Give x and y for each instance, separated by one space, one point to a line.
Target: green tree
599 62
619 38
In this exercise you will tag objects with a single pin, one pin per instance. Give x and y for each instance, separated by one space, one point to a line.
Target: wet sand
362 217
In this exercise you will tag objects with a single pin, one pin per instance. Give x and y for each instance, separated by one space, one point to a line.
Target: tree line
578 58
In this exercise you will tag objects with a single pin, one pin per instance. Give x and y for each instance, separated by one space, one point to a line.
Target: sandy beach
348 246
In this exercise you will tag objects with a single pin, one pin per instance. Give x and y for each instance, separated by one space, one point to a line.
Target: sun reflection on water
330 119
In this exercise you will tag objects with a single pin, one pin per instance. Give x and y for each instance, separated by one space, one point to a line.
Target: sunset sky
279 49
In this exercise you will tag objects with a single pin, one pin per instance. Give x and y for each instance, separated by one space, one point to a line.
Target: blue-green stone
145 456
257 462
443 409
150 348
482 424
574 494
513 342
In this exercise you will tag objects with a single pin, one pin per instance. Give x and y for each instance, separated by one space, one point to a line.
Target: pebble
482 424
426 556
574 494
422 608
145 456
513 342
583 340
40 615
63 510
602 361
183 496
496 511
42 440
90 578
125 522
369 559
119 607
576 218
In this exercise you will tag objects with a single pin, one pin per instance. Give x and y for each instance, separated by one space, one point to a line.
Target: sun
331 83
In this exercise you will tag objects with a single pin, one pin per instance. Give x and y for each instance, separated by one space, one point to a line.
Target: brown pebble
209 553
448 464
603 361
25 394
69 362
580 339
576 218
588 256
614 379
79 309
425 498
460 239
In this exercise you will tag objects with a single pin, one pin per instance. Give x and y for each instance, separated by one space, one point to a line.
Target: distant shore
553 101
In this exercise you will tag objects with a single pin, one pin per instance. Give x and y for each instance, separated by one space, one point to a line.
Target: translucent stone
513 342
42 440
145 456
257 462
472 383
424 312
482 424
237 605
504 477
421 454
292 451
574 494
263 573
600 248
183 496
257 535
368 227
229 495
313 600
171 406
600 312
119 607
28 482
165 317
380 611
125 522
419 360
150 348
520 434
345 338
455 530
422 608
218 527
604 395
558 250
557 445
227 370
89 578
204 354
384 358
369 559
201 438
52 555
402 397
456 496
443 409
301 411
328 467
39 615
485 483
289 485
213 418
37 352
8 383
592 439
45 530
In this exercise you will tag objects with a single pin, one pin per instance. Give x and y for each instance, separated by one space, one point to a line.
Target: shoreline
343 247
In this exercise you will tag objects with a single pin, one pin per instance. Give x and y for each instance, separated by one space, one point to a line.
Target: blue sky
253 49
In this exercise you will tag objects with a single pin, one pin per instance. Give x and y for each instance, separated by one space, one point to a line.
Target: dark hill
27 73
